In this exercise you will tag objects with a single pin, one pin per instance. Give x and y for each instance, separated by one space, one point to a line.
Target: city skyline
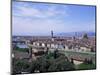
30 18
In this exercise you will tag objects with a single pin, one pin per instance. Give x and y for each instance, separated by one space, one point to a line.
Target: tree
85 61
35 65
41 65
20 66
88 61
61 64
46 63
47 50
72 61
56 54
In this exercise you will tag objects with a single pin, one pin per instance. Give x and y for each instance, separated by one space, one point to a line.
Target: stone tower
52 34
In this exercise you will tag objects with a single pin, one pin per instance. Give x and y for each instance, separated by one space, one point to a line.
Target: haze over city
39 18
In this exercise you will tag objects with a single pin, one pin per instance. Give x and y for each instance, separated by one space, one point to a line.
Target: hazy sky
40 18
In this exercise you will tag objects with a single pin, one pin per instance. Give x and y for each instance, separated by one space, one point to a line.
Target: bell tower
51 33
52 36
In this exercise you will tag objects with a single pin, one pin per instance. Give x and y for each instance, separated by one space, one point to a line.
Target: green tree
61 64
56 54
44 63
20 66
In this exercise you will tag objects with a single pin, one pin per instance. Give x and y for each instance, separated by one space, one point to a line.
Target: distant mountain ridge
79 34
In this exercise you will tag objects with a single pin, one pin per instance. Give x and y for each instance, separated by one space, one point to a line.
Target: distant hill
75 34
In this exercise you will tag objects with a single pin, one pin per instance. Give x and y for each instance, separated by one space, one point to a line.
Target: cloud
32 19
40 19
26 10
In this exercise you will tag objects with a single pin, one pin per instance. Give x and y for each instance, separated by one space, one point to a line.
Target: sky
31 18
